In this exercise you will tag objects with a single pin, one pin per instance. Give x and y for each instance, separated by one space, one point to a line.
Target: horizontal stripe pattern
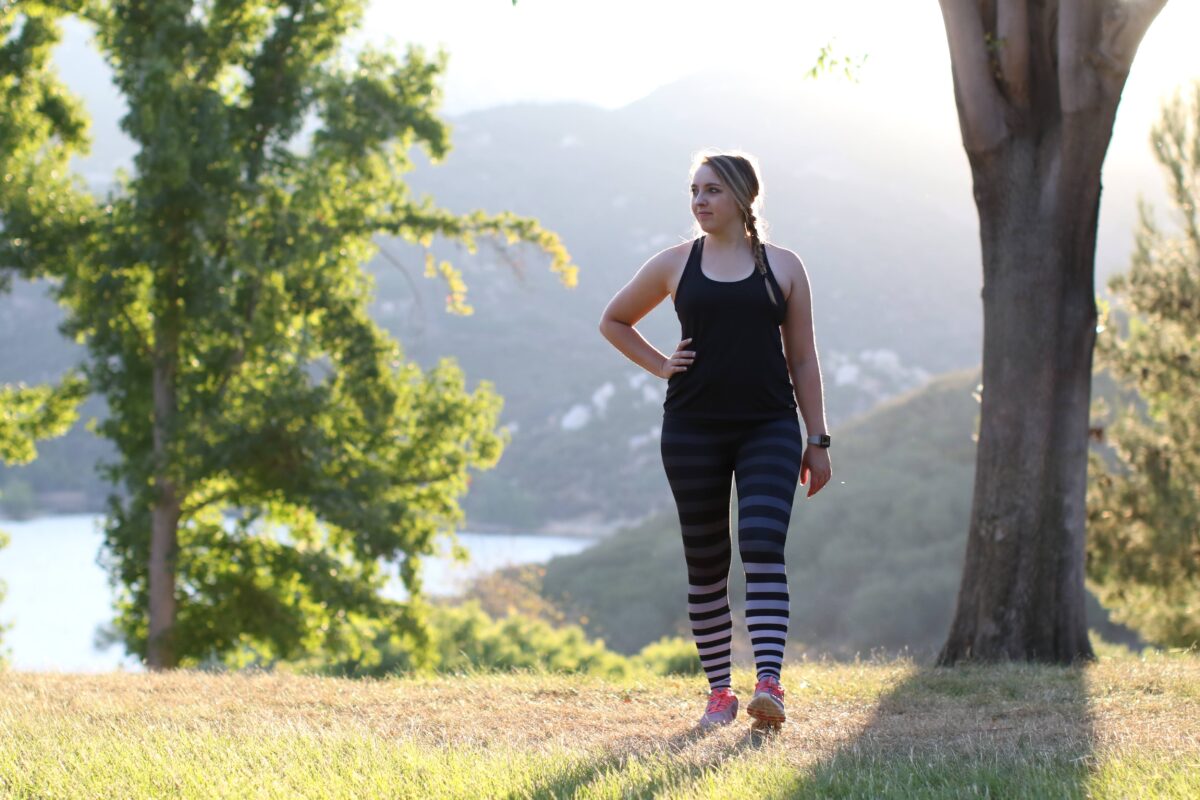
703 461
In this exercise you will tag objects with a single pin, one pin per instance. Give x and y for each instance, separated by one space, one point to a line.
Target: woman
748 359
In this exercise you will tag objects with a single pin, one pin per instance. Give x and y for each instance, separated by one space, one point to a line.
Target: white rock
602 395
579 416
846 373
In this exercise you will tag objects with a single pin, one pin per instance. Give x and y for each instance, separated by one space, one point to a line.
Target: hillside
1120 728
874 559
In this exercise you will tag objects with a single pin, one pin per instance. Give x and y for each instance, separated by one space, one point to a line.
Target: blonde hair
739 172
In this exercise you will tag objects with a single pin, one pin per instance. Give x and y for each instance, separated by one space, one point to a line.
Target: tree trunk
1037 87
164 515
1022 593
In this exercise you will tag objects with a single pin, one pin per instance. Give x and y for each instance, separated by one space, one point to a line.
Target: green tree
275 451
1037 86
35 119
38 118
1143 503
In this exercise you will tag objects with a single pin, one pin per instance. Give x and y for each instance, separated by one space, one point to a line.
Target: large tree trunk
1022 594
1037 87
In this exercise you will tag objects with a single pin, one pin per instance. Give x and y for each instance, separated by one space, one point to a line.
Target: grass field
1122 727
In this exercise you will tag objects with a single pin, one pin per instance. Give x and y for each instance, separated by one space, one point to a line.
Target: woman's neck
729 240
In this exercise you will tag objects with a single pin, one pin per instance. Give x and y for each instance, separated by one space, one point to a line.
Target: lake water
58 595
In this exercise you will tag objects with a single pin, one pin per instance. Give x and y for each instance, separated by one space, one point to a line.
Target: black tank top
740 371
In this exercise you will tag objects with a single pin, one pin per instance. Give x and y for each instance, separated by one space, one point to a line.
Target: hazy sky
610 52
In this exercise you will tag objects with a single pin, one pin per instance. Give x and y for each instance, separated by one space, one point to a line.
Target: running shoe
767 705
722 708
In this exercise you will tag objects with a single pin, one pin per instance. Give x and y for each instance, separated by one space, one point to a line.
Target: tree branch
1078 30
140 342
1122 29
238 356
416 291
981 108
1012 28
1096 47
187 510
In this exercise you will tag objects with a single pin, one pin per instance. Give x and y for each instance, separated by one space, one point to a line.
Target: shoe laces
719 700
770 685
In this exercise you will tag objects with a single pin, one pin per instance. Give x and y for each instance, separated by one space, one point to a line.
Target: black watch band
819 440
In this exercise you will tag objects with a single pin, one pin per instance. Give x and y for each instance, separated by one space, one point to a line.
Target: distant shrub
466 638
670 655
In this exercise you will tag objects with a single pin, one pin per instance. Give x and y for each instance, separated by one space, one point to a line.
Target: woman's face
713 205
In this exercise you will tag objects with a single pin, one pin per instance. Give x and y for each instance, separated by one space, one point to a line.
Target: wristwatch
819 440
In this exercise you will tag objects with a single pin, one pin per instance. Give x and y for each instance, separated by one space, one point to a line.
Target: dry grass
867 729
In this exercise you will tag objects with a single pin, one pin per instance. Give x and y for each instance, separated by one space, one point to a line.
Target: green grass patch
1122 727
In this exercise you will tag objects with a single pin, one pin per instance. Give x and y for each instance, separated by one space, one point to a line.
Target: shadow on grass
1013 730
1021 731
650 783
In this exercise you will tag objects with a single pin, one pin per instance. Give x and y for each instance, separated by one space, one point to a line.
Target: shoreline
586 527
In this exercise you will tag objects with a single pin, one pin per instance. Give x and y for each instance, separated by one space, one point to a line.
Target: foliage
670 655
220 295
515 589
36 115
471 639
465 637
30 413
830 62
468 639
38 119
1144 500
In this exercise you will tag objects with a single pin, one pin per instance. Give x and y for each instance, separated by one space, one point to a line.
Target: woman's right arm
636 299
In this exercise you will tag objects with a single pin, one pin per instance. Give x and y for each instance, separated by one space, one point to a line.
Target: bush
670 655
466 638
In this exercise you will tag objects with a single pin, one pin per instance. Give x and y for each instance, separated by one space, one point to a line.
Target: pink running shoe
722 708
767 706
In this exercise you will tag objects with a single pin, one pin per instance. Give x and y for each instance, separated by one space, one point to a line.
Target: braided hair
738 173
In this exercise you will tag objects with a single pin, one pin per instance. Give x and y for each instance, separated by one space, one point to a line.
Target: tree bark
1036 120
1022 594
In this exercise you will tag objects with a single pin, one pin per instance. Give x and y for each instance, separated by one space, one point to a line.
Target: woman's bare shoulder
786 260
671 258
665 267
788 268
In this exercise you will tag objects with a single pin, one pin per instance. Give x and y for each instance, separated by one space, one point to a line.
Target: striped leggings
701 457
